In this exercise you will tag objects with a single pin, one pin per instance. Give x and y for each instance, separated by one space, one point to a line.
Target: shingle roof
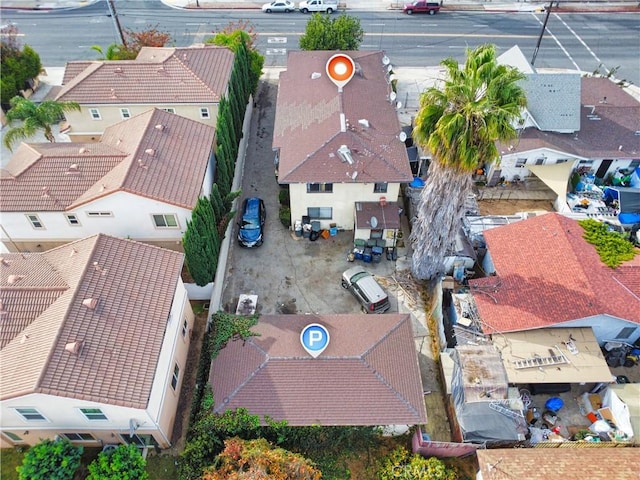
135 155
134 285
605 126
307 127
548 274
564 463
156 76
368 375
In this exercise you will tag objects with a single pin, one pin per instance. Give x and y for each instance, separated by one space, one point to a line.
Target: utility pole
116 21
544 26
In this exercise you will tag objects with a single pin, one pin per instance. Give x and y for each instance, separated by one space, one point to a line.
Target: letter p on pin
314 339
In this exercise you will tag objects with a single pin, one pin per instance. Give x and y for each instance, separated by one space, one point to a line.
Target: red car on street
420 6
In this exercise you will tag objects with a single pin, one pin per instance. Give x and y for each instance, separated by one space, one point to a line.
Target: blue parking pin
314 338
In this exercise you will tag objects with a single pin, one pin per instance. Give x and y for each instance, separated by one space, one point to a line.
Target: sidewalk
369 5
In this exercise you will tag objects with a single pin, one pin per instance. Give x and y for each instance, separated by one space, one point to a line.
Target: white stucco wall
131 218
83 125
606 327
509 161
342 200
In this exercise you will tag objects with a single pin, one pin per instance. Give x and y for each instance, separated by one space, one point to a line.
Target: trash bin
376 254
315 226
298 228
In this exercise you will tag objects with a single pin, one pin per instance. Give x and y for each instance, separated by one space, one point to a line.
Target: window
79 437
325 213
539 161
35 221
169 110
93 414
30 414
626 332
165 220
125 113
13 436
72 218
99 214
319 187
204 112
521 162
95 114
185 328
380 187
176 375
562 160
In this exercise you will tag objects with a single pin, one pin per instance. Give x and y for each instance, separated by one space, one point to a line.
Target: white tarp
629 393
619 409
555 176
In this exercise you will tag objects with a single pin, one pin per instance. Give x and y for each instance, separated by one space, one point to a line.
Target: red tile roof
157 76
548 274
605 125
134 285
307 127
167 164
559 463
368 375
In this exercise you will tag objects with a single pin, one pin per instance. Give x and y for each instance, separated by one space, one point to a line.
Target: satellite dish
386 60
374 222
398 105
389 68
393 96
402 136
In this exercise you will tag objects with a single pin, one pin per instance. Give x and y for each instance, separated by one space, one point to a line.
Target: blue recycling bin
554 404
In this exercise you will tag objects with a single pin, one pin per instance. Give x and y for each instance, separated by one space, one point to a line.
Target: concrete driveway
289 274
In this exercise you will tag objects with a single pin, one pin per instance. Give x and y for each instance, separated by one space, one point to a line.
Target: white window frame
35 221
71 217
87 415
95 114
66 435
521 162
164 217
322 213
35 412
125 113
169 109
11 435
204 112
175 377
99 214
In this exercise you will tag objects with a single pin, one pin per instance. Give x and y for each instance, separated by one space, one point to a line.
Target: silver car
279 6
365 288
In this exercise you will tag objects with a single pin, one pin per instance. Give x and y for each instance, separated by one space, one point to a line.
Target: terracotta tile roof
307 126
134 286
156 76
560 463
604 127
368 375
548 274
387 215
174 161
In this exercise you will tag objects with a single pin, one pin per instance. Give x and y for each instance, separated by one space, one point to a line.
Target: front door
602 169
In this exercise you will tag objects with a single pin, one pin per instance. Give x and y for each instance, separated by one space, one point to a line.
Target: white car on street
279 6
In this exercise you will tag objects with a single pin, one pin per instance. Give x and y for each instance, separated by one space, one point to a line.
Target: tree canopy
134 40
34 117
19 65
460 122
401 464
125 462
326 33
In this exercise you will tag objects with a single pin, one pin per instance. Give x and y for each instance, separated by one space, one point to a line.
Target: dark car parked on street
251 224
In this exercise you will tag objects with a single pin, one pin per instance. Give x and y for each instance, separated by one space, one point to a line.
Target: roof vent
118 70
11 279
24 338
73 252
315 75
45 192
142 164
364 122
73 169
90 303
4 262
99 268
345 154
161 69
74 347
103 187
113 93
150 151
159 127
83 150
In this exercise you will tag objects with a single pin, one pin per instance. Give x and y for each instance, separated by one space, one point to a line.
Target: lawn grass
161 467
10 458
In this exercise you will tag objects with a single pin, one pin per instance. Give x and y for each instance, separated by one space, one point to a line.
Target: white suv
365 288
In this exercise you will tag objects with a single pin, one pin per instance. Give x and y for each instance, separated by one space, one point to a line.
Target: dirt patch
188 385
509 207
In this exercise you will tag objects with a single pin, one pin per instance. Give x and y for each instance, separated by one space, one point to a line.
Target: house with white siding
186 81
93 344
140 181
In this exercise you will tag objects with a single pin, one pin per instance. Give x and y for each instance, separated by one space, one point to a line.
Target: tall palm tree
459 124
35 117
